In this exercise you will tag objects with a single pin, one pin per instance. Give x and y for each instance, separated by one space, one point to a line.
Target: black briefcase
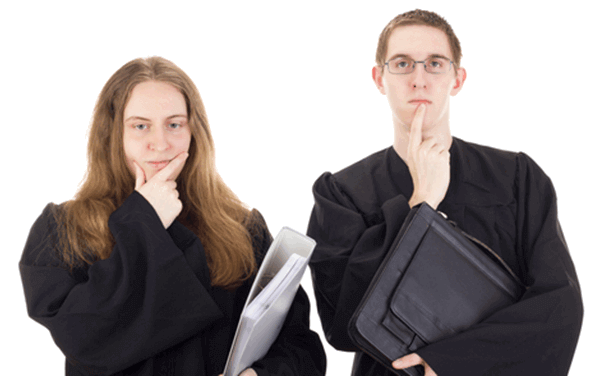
435 282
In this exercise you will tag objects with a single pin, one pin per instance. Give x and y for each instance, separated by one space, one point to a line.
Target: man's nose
419 76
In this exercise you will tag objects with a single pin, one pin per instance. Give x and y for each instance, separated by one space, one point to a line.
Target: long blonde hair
210 209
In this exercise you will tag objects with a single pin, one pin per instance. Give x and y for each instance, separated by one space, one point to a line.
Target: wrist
416 200
413 202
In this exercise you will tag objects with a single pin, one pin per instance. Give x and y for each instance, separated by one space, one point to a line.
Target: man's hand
429 165
412 360
161 191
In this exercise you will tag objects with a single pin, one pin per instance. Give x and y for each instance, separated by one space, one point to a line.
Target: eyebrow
428 56
146 119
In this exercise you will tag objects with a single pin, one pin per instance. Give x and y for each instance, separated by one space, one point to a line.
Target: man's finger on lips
416 126
172 168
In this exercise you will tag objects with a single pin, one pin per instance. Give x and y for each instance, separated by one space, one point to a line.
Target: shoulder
492 168
41 245
363 187
361 169
531 177
482 156
502 161
501 172
358 175
259 233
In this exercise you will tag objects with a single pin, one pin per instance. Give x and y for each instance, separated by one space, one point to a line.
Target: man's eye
436 63
400 64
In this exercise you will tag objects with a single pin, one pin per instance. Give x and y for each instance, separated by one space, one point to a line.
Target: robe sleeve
141 300
298 350
537 335
348 253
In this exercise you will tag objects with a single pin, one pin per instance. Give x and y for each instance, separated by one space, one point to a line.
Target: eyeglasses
406 65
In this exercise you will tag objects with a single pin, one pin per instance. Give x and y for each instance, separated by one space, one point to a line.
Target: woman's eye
140 127
175 125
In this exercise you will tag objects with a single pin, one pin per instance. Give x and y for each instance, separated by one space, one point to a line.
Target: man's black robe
502 198
149 309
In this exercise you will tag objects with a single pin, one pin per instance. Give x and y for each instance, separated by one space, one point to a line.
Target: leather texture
435 282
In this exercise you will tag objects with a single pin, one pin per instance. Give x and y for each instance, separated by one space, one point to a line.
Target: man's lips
419 101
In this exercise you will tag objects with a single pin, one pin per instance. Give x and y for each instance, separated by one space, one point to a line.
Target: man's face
407 91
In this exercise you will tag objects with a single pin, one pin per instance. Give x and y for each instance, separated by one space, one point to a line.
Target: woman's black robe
502 198
149 309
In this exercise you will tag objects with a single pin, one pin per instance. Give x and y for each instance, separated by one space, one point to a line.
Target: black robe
149 309
502 198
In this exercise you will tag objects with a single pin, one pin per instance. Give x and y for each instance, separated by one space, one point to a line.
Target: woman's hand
160 191
247 372
412 360
429 165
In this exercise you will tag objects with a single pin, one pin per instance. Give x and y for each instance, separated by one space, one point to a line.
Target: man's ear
377 74
460 78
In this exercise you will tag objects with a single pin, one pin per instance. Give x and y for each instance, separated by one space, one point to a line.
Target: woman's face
155 127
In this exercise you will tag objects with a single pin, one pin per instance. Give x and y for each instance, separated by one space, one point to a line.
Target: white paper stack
270 299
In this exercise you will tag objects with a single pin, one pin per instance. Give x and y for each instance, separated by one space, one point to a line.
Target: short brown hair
418 17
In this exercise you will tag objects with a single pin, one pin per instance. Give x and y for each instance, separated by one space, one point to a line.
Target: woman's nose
158 140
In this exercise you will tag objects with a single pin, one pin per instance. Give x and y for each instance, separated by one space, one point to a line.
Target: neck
441 133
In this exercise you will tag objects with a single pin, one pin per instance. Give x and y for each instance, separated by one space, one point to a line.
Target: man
502 198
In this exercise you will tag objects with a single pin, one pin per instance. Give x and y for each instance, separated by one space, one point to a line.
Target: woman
147 270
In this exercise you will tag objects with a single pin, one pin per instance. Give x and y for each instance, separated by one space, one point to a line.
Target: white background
289 95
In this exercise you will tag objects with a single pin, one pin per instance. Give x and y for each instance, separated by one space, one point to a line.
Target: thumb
139 176
407 361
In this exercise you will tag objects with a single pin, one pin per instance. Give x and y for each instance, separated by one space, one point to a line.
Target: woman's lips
419 101
159 164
